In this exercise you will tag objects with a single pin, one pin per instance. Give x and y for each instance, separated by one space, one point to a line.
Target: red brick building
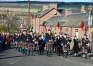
39 18
52 19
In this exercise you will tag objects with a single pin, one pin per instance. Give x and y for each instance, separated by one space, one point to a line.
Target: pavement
11 57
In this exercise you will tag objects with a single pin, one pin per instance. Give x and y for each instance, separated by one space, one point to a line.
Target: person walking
41 45
76 46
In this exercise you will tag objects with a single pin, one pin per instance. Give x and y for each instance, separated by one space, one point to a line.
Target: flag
82 24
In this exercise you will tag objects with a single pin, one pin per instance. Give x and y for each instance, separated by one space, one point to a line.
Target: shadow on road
4 49
11 57
2 55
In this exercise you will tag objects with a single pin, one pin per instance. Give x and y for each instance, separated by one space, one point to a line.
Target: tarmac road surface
11 57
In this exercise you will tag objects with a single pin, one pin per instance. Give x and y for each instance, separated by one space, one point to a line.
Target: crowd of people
30 43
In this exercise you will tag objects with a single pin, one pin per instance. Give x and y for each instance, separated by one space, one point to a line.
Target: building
41 12
39 18
69 24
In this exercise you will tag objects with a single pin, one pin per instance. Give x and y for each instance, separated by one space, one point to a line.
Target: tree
30 28
12 25
1 28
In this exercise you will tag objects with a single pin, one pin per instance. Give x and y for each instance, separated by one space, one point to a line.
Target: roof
70 20
45 12
54 20
74 20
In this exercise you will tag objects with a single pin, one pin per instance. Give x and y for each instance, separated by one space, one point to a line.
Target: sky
55 0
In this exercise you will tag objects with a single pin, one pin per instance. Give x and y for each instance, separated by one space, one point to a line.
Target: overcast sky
55 0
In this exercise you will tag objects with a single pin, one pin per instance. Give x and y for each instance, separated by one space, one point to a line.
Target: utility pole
28 8
7 23
29 14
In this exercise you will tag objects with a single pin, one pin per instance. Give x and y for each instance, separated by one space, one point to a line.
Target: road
13 58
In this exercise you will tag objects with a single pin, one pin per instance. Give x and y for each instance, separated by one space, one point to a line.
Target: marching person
9 40
1 42
24 40
59 48
76 48
41 45
65 45
86 43
23 36
85 47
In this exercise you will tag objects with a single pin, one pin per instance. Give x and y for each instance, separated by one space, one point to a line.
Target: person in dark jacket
41 45
59 47
29 38
86 44
76 46
23 37
1 44
4 40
